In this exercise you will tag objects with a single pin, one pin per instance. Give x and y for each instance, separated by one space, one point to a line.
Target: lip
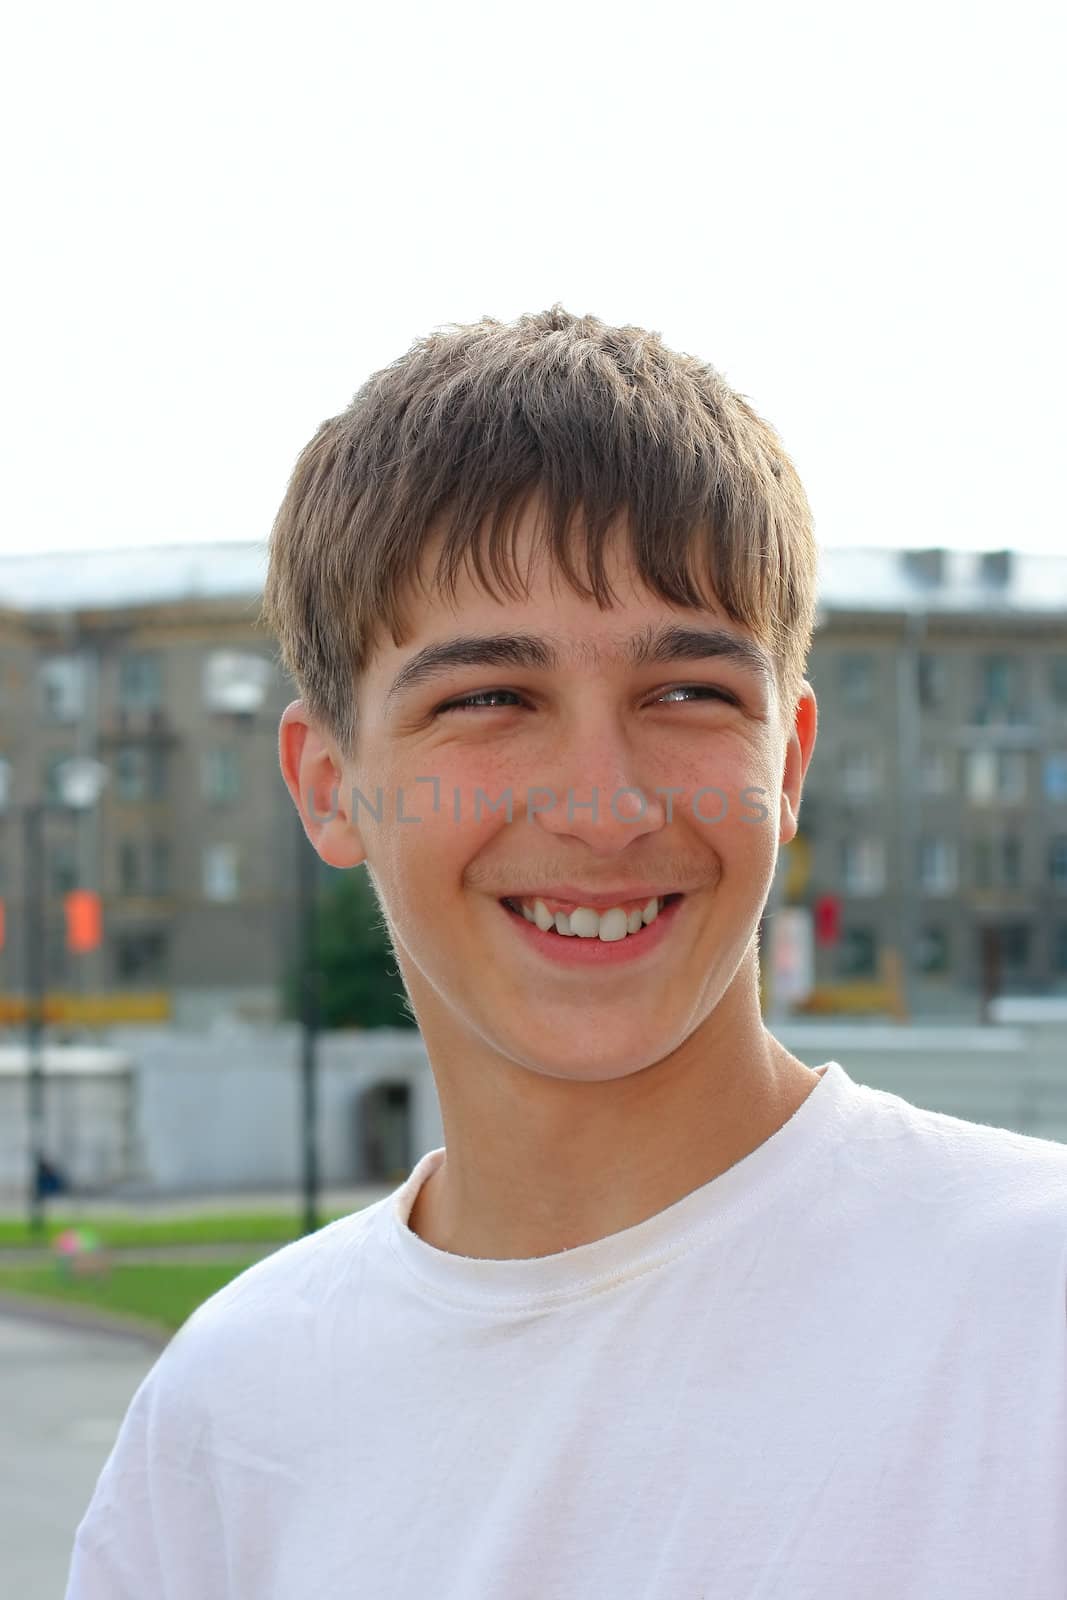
579 952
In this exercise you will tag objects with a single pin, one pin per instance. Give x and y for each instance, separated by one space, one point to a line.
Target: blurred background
220 221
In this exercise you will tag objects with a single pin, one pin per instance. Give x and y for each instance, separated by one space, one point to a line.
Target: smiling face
646 754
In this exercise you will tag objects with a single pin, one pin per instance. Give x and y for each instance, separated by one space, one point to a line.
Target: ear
313 770
798 752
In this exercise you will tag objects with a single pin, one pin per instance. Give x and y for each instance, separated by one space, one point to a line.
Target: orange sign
92 1010
82 907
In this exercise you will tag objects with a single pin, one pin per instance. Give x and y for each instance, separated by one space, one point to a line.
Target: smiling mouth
609 927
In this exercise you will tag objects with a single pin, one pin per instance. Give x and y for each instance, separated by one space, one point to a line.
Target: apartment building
934 818
153 663
935 812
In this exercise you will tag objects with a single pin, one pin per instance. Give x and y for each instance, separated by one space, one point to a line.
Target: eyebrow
662 644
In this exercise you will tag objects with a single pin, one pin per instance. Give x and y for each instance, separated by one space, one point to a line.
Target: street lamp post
79 781
240 686
909 759
33 825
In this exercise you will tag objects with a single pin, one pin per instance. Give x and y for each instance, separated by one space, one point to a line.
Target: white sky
222 217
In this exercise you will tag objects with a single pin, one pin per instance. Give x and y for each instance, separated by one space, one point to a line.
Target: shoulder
273 1314
232 1382
986 1179
955 1143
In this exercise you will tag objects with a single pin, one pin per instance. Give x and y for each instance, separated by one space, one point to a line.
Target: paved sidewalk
68 1374
137 1255
63 1393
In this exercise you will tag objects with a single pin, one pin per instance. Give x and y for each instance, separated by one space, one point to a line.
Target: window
863 866
129 867
235 681
996 776
53 790
140 681
856 954
131 778
144 866
932 952
62 861
158 866
220 872
938 865
933 681
999 680
856 680
1057 861
139 772
998 862
1056 776
938 771
859 771
1059 948
981 776
62 684
1011 861
156 758
140 955
1000 689
220 774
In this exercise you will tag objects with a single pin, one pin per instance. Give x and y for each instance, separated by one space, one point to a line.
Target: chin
596 1056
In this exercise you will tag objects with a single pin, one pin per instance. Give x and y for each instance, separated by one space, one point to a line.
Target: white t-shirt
838 1371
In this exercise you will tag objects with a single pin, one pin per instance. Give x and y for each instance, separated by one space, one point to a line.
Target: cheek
731 784
422 865
730 805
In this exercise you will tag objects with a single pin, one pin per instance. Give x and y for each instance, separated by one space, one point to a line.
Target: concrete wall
220 1110
179 1113
1006 1076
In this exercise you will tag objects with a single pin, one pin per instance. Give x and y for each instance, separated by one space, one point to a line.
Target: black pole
990 970
33 818
309 1028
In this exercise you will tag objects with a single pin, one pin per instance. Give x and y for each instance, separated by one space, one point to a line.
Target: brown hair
475 423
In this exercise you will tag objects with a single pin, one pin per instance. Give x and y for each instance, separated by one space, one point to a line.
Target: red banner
828 919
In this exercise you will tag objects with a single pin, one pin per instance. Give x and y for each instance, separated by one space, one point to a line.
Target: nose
594 793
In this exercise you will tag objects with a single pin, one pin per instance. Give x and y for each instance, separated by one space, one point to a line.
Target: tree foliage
359 983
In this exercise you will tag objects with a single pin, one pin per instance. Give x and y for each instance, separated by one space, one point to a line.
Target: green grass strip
162 1294
236 1227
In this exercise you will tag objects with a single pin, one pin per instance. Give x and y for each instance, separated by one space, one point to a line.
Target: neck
536 1165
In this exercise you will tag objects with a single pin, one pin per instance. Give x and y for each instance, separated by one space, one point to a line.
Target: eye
498 699
480 697
701 689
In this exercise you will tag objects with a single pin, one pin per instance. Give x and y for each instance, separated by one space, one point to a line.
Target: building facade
193 843
933 823
935 812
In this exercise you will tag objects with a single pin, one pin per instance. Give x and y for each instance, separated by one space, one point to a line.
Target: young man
671 1315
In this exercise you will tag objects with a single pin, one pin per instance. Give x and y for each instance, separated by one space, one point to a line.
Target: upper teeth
589 924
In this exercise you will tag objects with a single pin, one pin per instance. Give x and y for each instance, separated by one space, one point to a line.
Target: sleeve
152 1527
